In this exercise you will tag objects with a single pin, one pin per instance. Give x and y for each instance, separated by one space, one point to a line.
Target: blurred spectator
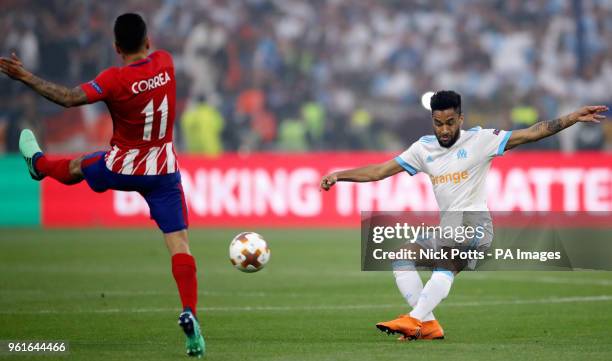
201 46
201 125
21 39
313 115
361 130
590 137
292 136
524 116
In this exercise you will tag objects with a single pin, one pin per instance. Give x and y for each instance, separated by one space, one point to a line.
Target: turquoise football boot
194 344
31 151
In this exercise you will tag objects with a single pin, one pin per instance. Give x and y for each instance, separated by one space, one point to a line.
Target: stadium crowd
298 75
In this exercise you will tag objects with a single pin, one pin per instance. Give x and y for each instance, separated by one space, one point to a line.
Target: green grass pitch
110 293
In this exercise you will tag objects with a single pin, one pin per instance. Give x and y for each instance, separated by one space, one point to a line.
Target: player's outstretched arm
56 93
369 173
547 128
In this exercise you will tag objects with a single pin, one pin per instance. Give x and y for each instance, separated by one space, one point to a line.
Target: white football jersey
458 174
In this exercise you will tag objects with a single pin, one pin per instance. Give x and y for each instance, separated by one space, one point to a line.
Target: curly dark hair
446 99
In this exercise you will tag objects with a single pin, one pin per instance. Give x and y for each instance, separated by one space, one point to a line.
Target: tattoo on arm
57 93
554 125
546 128
539 130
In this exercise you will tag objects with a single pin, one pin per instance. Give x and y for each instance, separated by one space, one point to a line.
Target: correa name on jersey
160 79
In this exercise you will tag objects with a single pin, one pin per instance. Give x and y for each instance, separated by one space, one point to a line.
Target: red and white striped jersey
141 99
154 160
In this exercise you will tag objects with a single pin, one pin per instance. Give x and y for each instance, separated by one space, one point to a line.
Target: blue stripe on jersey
475 129
406 166
502 145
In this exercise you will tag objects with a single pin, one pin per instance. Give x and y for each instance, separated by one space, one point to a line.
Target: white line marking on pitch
475 276
548 300
540 279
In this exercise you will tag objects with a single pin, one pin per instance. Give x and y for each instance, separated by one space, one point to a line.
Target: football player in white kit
457 162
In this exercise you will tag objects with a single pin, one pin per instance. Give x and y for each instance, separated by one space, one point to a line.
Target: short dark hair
446 99
130 32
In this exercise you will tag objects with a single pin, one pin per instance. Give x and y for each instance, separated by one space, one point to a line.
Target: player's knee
402 266
444 278
75 167
177 242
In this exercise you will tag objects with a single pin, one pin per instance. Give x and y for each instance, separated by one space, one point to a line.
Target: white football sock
433 293
410 286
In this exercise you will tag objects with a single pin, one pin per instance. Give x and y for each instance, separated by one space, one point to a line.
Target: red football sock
184 272
56 169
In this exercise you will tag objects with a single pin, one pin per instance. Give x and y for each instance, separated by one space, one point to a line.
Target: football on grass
249 252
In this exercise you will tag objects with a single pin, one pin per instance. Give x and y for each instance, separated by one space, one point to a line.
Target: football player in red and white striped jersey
141 98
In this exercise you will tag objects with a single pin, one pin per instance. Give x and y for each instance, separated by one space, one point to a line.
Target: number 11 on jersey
149 118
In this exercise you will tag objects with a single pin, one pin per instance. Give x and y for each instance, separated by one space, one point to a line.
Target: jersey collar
140 62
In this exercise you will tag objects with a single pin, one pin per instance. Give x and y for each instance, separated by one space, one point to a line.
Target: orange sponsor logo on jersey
455 177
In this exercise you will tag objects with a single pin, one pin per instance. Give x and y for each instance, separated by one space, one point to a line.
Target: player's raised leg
66 171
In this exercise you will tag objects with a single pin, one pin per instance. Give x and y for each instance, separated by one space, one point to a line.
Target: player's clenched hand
328 181
589 114
13 67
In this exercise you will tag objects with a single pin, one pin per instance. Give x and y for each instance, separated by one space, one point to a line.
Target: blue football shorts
163 193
